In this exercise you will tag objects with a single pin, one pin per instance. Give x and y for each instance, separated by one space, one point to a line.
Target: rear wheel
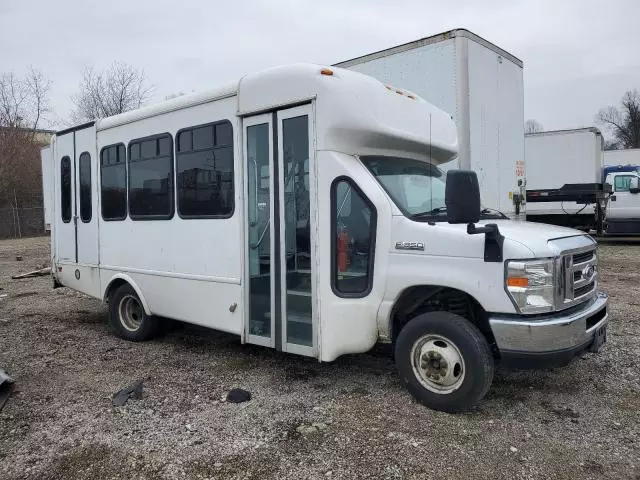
127 316
444 361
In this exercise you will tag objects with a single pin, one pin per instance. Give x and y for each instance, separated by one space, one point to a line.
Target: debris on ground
18 258
121 397
6 385
238 395
34 273
566 412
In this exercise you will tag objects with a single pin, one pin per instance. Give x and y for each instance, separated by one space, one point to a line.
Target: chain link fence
21 222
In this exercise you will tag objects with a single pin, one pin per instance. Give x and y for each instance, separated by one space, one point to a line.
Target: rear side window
65 189
204 167
353 234
113 182
151 178
85 187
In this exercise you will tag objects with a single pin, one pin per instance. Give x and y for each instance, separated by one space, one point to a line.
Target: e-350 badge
409 246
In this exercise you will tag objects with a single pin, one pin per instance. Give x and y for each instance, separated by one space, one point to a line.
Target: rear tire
444 361
127 316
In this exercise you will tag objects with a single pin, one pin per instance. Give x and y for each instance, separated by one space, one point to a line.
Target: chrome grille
584 274
576 270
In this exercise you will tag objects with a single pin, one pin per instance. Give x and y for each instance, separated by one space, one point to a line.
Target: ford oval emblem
588 271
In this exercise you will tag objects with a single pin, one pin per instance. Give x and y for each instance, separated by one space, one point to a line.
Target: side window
353 232
204 167
151 178
621 183
65 189
85 187
113 182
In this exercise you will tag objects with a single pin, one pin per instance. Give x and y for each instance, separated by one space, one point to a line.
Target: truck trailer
480 85
564 179
303 209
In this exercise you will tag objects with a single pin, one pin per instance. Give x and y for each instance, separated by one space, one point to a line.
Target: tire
453 363
127 317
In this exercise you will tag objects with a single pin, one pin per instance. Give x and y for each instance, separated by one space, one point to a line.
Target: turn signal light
518 282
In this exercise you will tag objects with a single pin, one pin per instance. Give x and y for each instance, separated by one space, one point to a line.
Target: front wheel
444 361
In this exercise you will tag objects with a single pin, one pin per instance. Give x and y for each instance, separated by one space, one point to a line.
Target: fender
129 280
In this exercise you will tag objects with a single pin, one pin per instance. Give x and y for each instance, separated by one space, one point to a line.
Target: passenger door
624 204
279 240
86 174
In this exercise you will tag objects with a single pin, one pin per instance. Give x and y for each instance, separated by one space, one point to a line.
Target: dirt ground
582 421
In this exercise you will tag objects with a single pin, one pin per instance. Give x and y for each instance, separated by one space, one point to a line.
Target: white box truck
564 178
614 158
480 85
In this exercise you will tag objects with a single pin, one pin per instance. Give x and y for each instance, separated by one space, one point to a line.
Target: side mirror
462 196
633 187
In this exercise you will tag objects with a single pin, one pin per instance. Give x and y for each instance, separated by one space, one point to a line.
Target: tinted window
65 189
151 178
622 183
85 187
204 165
113 182
353 239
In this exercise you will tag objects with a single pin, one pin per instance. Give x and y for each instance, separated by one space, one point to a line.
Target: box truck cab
623 212
303 209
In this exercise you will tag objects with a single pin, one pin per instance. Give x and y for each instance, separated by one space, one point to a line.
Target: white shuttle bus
303 210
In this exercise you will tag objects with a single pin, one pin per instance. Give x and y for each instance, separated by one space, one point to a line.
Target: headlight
531 284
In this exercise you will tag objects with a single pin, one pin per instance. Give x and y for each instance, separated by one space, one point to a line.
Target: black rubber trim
277 268
515 359
76 128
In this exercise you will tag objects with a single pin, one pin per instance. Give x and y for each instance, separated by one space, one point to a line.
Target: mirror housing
462 196
633 187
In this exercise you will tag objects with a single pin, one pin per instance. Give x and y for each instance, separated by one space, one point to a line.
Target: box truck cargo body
480 85
564 184
630 156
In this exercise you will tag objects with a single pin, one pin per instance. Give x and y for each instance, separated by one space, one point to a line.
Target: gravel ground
582 421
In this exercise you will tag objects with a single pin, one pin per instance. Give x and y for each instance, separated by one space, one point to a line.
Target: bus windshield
416 187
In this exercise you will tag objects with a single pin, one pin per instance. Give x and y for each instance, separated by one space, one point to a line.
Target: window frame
622 176
233 168
90 188
126 183
62 161
172 175
333 237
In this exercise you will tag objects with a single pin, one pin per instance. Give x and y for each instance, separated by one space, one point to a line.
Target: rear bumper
549 341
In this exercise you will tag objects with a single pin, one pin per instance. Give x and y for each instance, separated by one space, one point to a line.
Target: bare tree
623 123
531 126
23 101
23 105
119 88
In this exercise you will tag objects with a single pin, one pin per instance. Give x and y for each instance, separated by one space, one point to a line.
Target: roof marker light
327 71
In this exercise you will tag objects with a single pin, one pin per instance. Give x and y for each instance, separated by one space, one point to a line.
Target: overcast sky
578 55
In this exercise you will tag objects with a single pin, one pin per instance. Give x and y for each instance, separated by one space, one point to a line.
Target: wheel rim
131 313
438 364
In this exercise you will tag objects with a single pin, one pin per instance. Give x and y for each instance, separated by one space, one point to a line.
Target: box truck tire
128 318
444 361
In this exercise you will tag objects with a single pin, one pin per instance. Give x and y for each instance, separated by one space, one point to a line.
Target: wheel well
425 298
113 286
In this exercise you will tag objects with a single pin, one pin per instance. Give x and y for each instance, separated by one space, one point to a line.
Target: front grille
579 271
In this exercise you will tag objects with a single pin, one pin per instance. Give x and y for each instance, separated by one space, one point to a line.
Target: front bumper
551 340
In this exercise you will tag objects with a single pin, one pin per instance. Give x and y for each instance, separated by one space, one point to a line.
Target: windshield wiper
429 213
494 213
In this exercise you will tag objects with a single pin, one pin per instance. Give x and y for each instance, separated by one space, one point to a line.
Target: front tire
444 361
127 316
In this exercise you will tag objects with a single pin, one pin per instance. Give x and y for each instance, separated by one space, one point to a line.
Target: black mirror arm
493 241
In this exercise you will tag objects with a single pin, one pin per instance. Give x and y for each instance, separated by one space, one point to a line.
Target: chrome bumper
552 333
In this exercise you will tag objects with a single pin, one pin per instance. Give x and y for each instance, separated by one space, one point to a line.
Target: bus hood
534 236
